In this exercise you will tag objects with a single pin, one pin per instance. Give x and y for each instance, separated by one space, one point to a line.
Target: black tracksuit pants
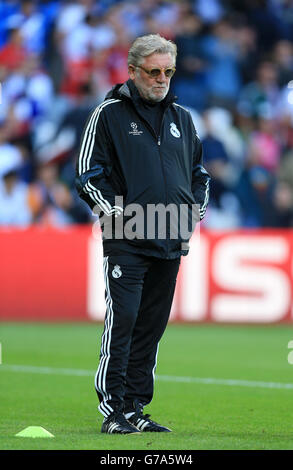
139 294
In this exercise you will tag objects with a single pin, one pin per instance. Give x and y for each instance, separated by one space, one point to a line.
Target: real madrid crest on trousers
139 294
116 271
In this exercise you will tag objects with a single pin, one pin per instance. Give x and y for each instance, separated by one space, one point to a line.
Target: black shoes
143 422
116 423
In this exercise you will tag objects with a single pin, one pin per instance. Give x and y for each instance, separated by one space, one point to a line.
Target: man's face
152 89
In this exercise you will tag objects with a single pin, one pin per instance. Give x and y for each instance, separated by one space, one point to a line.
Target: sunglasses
156 72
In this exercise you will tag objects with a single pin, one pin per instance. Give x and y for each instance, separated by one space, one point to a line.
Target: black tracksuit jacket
121 154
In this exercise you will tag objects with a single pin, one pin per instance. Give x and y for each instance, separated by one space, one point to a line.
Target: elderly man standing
140 150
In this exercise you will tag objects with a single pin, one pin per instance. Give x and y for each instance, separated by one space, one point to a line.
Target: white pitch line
165 378
229 382
46 370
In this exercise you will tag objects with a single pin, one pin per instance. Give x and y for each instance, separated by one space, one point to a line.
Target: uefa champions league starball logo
135 130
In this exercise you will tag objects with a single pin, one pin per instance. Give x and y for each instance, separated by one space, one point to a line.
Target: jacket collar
128 90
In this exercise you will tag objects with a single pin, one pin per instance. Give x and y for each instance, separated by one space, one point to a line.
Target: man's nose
162 77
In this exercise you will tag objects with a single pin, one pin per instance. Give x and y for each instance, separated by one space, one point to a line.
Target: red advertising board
228 277
43 274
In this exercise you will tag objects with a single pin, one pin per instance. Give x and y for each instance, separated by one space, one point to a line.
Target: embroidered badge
174 130
134 131
116 271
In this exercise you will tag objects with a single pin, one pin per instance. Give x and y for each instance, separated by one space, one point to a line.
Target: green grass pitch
53 387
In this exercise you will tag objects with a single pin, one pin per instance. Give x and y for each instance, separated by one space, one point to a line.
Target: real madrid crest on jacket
122 154
174 131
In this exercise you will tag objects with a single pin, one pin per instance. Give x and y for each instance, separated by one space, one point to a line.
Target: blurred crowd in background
234 73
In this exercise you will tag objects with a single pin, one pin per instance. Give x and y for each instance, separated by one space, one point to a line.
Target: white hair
149 44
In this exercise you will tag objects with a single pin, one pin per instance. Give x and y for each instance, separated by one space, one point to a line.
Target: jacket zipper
158 139
164 176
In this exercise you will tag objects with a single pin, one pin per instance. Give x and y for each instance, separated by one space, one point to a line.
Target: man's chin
159 96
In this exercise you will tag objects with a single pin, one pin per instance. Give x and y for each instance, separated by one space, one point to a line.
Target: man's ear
131 72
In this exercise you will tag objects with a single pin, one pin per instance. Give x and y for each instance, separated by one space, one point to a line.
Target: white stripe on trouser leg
100 379
155 365
108 344
101 373
105 347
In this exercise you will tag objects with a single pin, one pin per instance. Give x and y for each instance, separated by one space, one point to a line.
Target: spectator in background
190 74
262 94
76 116
283 58
128 16
39 88
76 51
50 199
264 19
210 11
216 165
52 57
248 54
71 14
285 135
32 26
255 193
285 109
223 80
165 16
117 58
282 18
282 205
14 194
285 170
13 54
220 123
264 149
224 210
257 182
